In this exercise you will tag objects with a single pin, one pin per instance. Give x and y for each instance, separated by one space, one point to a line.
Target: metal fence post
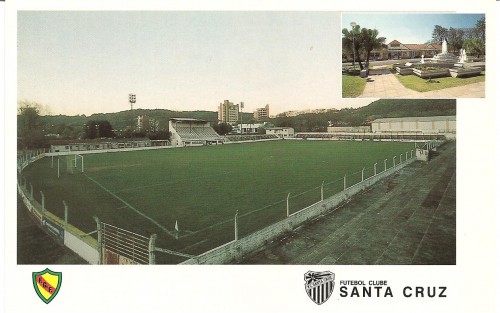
362 175
345 182
43 201
401 158
394 161
65 213
287 205
322 190
385 165
99 239
411 154
152 241
375 169
236 226
406 156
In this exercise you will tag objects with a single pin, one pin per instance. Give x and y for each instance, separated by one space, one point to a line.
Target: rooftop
416 119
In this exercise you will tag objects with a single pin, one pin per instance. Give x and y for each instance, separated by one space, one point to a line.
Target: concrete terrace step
408 218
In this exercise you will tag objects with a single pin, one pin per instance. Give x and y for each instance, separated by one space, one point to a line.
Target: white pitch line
131 207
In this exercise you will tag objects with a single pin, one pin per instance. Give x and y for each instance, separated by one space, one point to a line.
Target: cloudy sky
77 62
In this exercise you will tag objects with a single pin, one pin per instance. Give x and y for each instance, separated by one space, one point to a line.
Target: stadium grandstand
192 132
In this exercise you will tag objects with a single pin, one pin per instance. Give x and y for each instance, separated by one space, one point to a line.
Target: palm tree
347 42
370 41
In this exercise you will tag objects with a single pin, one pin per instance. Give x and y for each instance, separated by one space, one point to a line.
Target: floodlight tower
131 100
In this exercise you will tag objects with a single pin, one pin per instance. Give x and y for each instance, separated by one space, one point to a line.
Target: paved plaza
387 86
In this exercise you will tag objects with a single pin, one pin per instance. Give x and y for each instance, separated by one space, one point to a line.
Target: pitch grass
418 84
352 86
202 187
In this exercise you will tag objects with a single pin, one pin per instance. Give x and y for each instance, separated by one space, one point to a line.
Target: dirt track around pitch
407 218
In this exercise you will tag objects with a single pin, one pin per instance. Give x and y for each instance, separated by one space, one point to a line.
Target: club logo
319 285
47 284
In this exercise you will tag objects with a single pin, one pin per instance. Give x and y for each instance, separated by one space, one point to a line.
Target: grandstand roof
187 119
416 118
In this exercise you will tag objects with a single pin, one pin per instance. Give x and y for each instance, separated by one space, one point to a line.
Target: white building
247 128
421 125
284 132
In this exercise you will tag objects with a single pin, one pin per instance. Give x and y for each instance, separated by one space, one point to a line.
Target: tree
474 46
159 135
347 42
439 34
370 41
98 129
223 128
481 29
455 39
29 125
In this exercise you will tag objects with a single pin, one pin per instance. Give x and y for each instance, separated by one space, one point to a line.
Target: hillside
366 114
303 122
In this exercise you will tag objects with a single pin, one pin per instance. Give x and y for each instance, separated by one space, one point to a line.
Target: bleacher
190 132
197 132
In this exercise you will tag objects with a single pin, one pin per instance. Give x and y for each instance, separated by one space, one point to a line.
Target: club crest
319 285
47 284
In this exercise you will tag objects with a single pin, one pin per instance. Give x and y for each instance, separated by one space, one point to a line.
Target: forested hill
302 122
364 115
124 119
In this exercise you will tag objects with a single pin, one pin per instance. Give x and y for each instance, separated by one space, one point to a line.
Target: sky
409 28
84 62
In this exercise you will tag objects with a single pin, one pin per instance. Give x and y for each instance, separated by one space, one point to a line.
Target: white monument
463 56
444 56
422 60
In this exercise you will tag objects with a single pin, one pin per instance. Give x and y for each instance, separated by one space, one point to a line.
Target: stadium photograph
382 192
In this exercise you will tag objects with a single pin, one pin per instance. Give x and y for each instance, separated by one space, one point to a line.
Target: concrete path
407 218
387 86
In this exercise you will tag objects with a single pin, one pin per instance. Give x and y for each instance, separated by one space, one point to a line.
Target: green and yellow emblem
47 284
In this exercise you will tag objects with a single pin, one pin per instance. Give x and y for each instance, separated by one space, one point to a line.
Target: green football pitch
202 188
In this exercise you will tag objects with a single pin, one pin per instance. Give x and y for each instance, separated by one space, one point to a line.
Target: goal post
74 163
79 161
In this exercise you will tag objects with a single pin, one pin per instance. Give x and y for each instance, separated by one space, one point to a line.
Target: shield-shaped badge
47 284
319 285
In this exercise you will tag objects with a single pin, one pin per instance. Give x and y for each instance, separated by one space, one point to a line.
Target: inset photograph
401 55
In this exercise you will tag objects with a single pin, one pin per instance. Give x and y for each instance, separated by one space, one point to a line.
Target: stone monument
444 56
463 56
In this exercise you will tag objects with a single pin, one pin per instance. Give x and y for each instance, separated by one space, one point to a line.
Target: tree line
31 128
34 130
473 40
